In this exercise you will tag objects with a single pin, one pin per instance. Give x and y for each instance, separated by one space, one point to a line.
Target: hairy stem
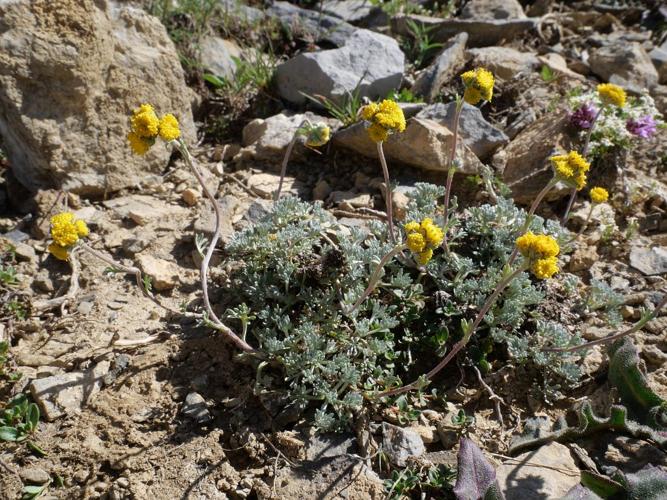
283 168
219 325
461 343
375 277
388 196
452 156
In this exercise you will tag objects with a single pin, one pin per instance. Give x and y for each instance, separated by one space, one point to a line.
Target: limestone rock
164 274
446 65
142 209
241 11
216 54
492 9
369 60
504 62
310 22
360 12
266 184
68 84
525 160
625 64
481 33
659 59
400 444
523 478
479 135
267 139
63 394
424 144
650 261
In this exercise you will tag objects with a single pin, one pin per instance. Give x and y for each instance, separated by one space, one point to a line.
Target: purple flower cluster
584 117
643 127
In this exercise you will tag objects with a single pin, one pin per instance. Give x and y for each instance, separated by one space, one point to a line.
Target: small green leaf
33 416
36 449
9 434
213 80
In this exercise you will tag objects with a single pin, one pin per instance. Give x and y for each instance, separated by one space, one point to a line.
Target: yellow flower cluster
384 118
146 126
423 238
611 94
478 84
599 195
65 232
541 251
571 169
318 135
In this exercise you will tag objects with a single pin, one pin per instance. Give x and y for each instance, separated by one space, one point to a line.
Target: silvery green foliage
298 271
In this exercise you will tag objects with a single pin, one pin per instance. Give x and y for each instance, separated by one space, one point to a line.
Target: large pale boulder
504 62
70 74
370 61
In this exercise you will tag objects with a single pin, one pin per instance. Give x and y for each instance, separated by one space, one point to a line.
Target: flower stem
584 153
283 168
388 196
461 343
375 277
636 327
214 320
452 156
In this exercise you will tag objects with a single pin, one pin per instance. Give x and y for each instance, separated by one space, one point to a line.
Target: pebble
34 475
190 196
195 408
85 307
321 190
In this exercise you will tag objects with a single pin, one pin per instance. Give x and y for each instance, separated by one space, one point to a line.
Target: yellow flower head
368 111
544 268
317 135
479 85
571 169
416 242
537 246
138 144
424 257
60 253
599 195
144 121
384 118
611 94
422 238
541 251
168 128
66 231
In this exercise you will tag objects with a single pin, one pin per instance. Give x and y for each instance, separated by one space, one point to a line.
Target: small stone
628 312
624 63
136 244
100 486
143 209
216 56
447 64
43 283
595 333
401 444
321 190
164 274
654 355
195 408
266 185
67 392
81 476
428 433
504 62
583 258
190 196
85 307
34 475
123 482
25 252
400 202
